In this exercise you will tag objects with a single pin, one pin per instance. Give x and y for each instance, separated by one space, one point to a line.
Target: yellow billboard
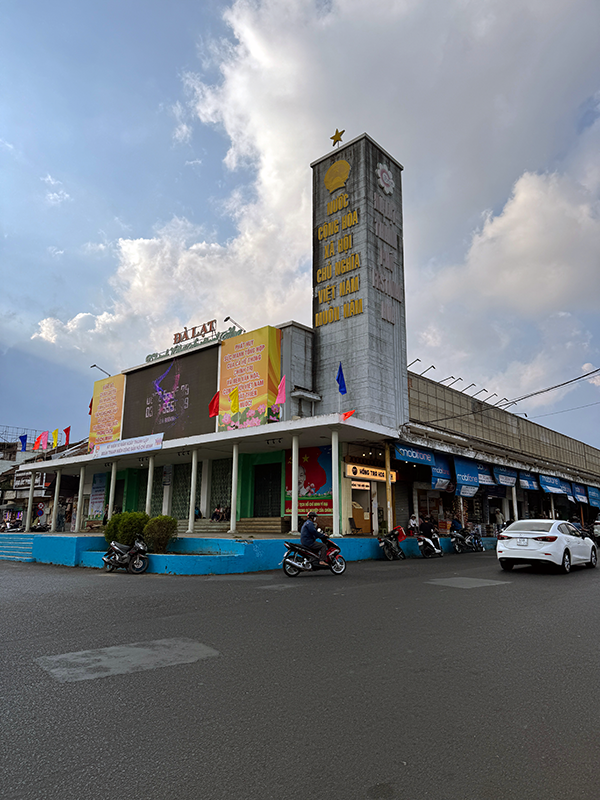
250 363
107 410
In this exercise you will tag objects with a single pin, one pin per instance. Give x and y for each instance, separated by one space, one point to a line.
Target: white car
556 541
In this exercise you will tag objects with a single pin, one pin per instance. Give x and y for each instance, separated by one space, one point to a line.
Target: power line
564 411
518 399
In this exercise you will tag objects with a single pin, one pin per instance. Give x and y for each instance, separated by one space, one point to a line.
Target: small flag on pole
45 440
38 441
234 397
23 440
91 404
280 392
67 433
55 439
213 406
347 414
340 379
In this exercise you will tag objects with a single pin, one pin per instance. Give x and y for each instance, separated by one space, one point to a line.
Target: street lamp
427 370
468 387
412 362
228 319
479 392
101 370
501 401
487 399
455 381
447 379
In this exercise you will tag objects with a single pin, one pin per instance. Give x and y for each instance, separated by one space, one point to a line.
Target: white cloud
57 198
55 252
480 102
51 181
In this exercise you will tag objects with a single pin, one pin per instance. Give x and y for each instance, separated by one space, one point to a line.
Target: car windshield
530 525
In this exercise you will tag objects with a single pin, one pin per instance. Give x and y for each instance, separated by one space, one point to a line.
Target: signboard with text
314 480
107 410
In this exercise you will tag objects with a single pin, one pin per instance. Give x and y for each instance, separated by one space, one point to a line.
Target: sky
154 163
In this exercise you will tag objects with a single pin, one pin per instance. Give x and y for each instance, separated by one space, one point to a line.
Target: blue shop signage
505 476
440 473
467 477
415 455
594 496
579 492
527 480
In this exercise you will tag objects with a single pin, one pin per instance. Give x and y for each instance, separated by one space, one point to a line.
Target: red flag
91 404
213 406
347 414
67 433
38 441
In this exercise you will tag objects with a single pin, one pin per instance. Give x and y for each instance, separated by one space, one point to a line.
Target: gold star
337 137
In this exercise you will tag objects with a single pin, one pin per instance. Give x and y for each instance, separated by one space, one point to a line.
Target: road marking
234 577
85 665
279 587
465 583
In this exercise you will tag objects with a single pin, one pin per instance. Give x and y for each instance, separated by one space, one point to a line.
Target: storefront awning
566 487
579 492
485 475
505 476
527 480
467 477
550 484
594 496
440 473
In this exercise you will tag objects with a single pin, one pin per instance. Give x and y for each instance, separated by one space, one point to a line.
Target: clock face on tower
384 178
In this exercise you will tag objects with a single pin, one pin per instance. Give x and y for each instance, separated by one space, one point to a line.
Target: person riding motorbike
309 535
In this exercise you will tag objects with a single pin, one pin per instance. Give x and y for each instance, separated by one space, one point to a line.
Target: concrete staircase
255 527
16 547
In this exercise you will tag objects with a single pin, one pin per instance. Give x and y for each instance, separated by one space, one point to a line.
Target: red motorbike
391 543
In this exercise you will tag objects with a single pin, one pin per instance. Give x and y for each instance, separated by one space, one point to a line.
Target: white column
193 482
149 485
30 503
113 486
55 506
515 515
80 499
295 470
234 485
374 509
552 506
388 489
205 488
335 481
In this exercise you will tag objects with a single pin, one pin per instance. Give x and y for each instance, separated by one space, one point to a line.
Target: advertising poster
250 363
107 410
97 495
314 481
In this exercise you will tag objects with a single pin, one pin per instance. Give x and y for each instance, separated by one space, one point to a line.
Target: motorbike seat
122 548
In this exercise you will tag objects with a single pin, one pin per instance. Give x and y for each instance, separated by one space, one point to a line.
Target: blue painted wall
197 556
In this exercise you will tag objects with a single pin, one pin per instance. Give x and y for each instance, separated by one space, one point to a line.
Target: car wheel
593 558
566 562
506 565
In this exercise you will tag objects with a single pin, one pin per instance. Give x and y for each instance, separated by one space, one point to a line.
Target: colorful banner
250 363
107 410
97 495
314 481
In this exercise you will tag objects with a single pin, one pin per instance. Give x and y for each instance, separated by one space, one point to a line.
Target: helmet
312 515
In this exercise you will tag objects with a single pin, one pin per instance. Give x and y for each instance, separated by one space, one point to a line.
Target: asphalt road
378 684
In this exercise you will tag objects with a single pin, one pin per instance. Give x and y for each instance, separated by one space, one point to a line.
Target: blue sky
155 173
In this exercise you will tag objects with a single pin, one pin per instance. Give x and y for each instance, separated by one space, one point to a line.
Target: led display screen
172 396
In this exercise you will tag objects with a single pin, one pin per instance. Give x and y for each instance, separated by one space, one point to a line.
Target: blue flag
23 440
340 380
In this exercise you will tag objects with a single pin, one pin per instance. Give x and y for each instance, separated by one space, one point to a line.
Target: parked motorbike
299 559
42 527
391 543
133 559
429 546
466 541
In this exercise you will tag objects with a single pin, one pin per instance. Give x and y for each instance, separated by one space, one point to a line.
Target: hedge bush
126 527
158 533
